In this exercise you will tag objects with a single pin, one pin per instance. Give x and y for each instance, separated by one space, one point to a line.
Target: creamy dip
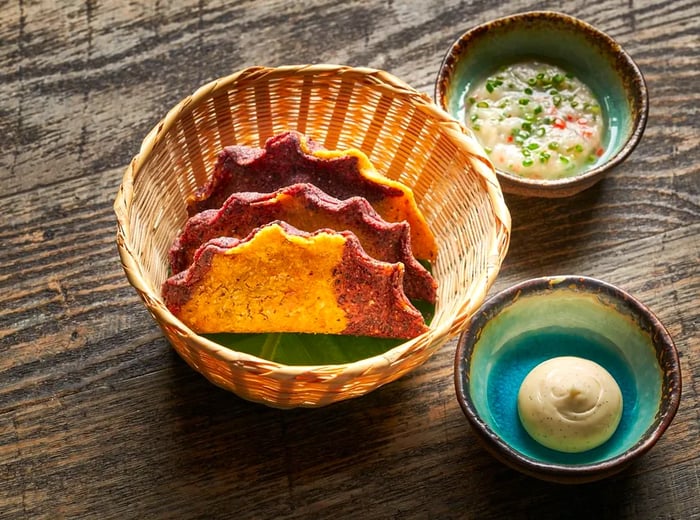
570 404
536 120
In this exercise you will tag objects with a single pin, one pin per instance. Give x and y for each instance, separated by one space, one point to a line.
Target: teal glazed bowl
548 317
575 46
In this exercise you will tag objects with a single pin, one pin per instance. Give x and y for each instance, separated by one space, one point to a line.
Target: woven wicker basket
405 136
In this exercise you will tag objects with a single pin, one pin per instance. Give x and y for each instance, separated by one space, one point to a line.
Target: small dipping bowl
571 44
548 317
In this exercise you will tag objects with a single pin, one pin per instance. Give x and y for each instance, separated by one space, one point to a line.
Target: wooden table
99 418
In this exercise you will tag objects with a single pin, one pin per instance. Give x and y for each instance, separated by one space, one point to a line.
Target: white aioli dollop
570 404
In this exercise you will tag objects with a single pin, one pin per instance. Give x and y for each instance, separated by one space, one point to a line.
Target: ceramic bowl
548 317
575 46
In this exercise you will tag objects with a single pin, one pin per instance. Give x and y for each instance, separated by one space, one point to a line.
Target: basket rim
376 78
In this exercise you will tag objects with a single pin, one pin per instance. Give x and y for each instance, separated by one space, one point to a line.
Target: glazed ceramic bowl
549 317
575 46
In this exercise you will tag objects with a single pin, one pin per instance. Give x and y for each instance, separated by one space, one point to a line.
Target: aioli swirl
570 404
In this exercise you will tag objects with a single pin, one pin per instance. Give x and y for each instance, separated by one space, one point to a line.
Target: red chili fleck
599 152
586 133
569 117
559 123
510 139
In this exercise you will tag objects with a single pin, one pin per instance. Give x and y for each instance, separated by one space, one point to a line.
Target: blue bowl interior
546 324
560 40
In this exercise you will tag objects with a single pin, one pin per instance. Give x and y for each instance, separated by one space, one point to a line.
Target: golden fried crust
307 208
290 158
281 279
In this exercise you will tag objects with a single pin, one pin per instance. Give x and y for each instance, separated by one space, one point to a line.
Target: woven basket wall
405 136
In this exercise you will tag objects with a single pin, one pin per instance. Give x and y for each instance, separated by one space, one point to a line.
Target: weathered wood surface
100 419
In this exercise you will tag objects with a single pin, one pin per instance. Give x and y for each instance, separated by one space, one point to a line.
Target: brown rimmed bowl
577 47
548 317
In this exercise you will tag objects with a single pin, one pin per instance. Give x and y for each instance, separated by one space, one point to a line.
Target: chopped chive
528 91
544 157
489 86
553 145
525 152
540 132
526 126
511 85
523 101
547 120
578 148
538 109
471 100
553 92
476 127
556 100
574 104
482 104
533 146
532 82
473 118
528 162
557 78
564 159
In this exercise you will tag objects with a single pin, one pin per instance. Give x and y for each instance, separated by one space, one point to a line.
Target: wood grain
100 419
